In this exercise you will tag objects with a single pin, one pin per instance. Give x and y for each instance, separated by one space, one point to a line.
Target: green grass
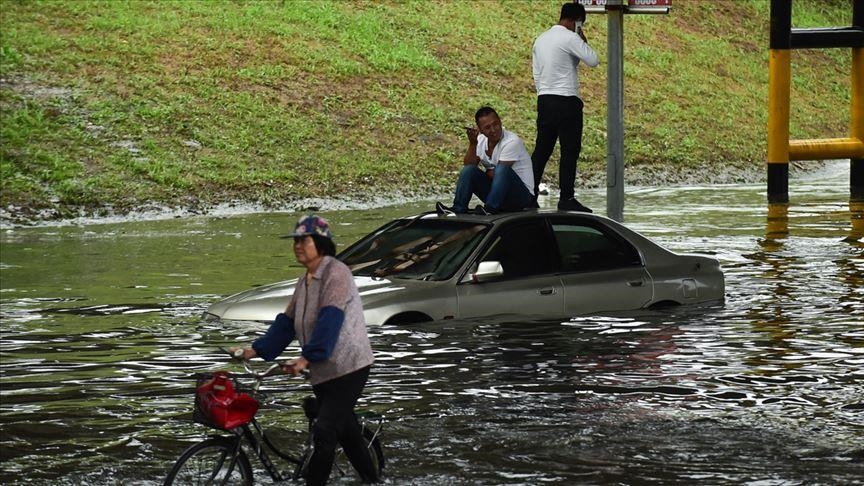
131 102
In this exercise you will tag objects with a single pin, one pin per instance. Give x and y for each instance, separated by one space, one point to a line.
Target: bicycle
223 459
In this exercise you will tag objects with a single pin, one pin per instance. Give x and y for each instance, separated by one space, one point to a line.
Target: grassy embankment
193 103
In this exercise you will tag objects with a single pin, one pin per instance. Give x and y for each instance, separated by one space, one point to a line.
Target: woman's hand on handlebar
244 354
295 366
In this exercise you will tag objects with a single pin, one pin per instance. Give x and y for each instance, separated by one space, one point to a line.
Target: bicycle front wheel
211 462
375 450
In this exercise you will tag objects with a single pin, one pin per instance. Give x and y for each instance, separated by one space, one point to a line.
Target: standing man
555 64
496 167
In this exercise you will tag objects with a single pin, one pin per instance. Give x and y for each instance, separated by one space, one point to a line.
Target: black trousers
337 425
559 118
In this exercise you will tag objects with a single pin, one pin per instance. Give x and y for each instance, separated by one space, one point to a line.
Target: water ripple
765 389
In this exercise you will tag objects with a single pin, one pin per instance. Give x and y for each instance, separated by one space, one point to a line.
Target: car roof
502 217
648 248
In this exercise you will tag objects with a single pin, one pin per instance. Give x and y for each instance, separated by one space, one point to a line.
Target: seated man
497 168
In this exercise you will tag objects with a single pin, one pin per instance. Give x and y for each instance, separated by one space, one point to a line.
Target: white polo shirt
555 61
511 147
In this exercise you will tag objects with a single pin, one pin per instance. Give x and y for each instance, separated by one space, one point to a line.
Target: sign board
629 6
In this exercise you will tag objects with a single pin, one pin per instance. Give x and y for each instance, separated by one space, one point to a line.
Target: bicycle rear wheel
210 462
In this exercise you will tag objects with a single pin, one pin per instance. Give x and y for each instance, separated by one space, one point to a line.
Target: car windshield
417 249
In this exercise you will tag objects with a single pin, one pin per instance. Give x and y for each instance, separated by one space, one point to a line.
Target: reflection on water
101 330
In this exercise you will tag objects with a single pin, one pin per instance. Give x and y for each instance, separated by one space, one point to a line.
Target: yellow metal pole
779 82
856 129
826 148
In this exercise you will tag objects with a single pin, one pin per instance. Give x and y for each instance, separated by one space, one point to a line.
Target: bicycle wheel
375 450
209 462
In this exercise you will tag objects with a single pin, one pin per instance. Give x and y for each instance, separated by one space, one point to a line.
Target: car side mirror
487 271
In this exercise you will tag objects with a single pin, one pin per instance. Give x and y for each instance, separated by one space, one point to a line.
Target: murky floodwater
101 328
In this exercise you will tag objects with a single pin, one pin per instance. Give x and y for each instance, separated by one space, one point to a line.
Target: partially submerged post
781 150
615 10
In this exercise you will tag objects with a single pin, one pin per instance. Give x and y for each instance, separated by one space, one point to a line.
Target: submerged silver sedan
538 263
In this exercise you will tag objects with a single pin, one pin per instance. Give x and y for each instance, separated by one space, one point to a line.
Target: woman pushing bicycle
325 315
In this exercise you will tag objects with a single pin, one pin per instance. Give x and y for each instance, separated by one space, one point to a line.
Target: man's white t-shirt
511 147
555 61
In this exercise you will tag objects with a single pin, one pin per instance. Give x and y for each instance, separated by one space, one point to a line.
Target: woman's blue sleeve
325 335
276 339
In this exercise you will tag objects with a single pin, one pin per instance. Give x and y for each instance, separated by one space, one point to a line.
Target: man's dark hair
486 110
572 11
324 245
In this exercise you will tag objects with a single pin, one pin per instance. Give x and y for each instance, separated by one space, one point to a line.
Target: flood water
101 330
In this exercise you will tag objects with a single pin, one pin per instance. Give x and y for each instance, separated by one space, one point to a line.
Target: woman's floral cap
312 225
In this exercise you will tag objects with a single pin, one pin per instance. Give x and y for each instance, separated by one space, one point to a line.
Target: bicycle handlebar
274 369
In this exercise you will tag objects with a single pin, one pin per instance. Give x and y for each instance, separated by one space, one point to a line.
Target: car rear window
418 249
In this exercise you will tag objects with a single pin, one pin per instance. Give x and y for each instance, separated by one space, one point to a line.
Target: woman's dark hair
324 245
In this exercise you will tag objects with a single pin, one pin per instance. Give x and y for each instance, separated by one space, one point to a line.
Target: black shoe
443 210
573 205
483 210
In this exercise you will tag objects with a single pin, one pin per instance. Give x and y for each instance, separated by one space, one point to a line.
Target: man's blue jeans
504 192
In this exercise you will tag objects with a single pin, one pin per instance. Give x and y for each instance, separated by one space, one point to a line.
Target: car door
529 284
600 270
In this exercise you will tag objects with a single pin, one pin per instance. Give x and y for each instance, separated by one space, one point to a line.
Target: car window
523 249
587 248
416 249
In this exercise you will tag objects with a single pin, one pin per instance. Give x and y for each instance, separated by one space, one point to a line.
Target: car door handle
551 291
635 283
